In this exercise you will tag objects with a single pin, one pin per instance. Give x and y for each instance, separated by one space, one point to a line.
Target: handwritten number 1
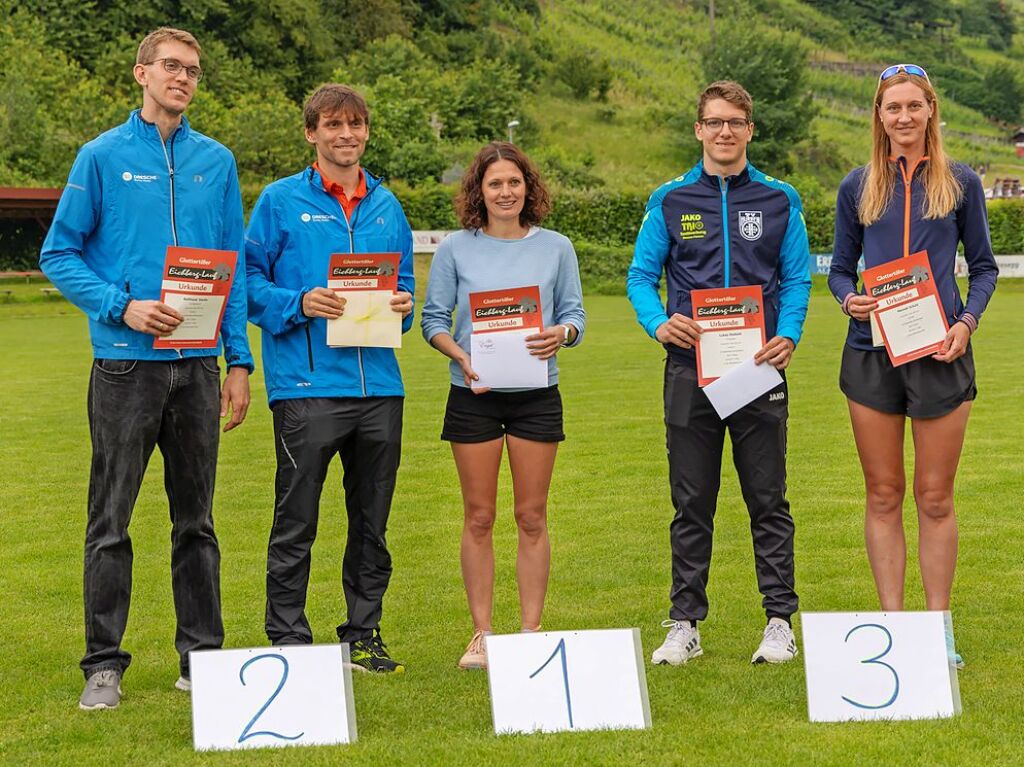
284 677
560 650
876 661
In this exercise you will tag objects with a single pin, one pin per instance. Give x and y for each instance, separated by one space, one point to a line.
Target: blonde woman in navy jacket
909 198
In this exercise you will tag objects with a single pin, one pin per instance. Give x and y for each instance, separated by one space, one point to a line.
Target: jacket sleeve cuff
969 320
652 326
846 303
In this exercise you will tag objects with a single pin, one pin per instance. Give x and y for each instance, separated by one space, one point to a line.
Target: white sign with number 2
298 695
568 680
879 666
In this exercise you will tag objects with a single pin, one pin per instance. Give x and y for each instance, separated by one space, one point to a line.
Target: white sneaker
681 644
778 644
184 684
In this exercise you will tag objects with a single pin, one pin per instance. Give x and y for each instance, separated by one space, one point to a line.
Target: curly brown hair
469 204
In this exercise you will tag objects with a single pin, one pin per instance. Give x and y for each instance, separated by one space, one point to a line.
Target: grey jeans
135 406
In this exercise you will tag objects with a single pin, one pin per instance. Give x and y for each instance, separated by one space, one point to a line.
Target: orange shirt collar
336 190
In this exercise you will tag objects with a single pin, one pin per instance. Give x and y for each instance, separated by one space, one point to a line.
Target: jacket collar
738 180
141 127
316 180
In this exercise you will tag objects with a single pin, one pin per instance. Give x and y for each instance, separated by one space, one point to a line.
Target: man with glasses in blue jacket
327 401
722 224
132 192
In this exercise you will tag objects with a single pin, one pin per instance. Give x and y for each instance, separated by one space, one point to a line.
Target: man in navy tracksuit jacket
722 224
133 191
325 400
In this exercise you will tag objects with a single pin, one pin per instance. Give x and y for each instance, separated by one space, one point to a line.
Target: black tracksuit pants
367 434
695 436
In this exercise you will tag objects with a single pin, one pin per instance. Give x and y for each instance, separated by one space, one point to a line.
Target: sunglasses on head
909 69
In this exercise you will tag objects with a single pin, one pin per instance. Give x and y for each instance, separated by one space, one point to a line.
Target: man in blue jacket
724 224
328 401
133 191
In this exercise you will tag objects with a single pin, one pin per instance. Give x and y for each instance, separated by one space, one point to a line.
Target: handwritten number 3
877 662
284 677
560 649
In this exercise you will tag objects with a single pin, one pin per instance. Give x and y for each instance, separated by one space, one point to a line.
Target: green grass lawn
609 515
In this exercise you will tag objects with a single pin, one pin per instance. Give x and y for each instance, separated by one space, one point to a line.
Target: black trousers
367 434
135 406
695 436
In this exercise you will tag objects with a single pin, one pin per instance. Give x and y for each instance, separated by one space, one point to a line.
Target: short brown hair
469 205
332 98
149 44
727 90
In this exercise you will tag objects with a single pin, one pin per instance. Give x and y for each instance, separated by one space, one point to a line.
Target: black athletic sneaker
371 654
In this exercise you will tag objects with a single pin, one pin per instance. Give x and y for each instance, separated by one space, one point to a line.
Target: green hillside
642 134
603 91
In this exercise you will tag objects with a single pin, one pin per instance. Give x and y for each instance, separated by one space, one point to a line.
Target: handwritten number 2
560 650
284 677
876 661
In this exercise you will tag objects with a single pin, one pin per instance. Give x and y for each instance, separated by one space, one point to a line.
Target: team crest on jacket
750 224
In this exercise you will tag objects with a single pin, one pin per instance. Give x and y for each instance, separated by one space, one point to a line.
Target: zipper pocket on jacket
309 348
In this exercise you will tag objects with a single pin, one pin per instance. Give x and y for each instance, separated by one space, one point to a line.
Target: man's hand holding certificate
365 285
196 284
909 315
502 320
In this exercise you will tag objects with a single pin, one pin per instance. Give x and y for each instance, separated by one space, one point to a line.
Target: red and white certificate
367 282
910 316
733 323
501 321
196 282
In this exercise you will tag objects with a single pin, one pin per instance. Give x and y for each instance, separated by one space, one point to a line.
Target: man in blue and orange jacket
724 224
328 401
133 191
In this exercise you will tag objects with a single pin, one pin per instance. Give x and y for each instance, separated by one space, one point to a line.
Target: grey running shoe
184 684
102 690
681 644
778 644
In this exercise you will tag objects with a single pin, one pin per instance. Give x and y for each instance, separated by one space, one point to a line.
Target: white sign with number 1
298 695
879 666
568 680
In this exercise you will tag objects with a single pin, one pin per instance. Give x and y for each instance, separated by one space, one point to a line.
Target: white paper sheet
201 313
503 361
741 386
723 350
913 326
368 321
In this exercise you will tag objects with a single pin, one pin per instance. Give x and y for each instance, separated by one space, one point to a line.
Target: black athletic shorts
924 388
535 414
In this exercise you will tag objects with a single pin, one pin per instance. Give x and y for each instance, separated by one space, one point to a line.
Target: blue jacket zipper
724 186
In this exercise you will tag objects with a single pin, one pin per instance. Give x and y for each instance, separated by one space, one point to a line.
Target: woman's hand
860 307
955 344
545 344
468 374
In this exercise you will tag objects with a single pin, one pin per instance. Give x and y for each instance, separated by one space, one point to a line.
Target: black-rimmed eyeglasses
173 66
715 124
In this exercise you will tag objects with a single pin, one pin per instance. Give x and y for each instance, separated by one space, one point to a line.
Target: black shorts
535 414
924 388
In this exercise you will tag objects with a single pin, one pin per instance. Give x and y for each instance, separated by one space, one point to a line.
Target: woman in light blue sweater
501 246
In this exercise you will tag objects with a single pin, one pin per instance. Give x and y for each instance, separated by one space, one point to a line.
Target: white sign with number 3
879 666
298 695
568 680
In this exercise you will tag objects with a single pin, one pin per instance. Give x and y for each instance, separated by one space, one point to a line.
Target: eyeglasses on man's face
715 124
909 69
173 66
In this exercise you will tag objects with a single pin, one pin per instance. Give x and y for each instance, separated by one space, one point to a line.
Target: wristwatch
565 341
